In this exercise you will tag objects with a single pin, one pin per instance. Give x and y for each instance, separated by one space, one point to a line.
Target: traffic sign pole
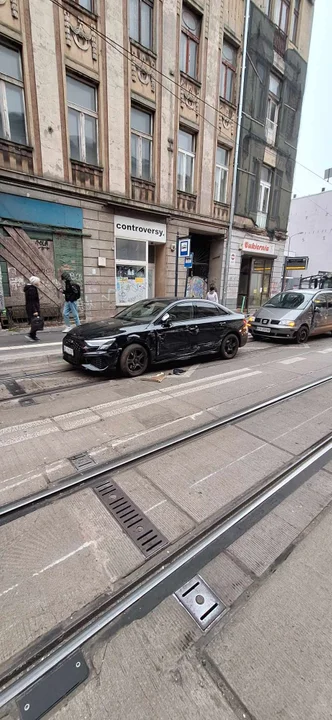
182 250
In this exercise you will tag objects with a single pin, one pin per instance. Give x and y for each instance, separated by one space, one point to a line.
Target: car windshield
288 300
146 310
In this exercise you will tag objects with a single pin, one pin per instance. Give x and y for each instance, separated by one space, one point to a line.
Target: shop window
273 103
281 14
186 161
228 72
130 249
295 21
140 22
12 110
221 178
190 33
5 278
141 144
82 121
131 271
264 196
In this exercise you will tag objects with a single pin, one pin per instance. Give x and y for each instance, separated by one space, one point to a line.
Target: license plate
263 329
68 350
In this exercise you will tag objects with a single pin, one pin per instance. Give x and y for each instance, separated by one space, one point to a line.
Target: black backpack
76 291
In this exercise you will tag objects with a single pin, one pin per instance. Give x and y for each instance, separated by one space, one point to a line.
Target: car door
329 310
174 340
320 319
210 324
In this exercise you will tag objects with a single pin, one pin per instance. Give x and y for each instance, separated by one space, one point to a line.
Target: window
86 4
141 144
271 124
295 20
266 6
5 278
186 161
146 310
140 21
228 70
204 310
220 184
190 32
12 112
82 121
181 312
264 196
281 13
288 300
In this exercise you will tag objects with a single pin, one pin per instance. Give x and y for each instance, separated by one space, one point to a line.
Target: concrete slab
226 579
275 652
21 485
146 672
60 559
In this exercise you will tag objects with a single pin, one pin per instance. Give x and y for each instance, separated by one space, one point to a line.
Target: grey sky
315 142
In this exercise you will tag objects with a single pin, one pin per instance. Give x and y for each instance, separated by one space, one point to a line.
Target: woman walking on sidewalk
72 292
32 304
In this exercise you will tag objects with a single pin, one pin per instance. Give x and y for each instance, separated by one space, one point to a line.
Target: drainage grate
26 401
82 462
202 604
139 528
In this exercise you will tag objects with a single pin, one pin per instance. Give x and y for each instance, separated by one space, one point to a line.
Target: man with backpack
72 293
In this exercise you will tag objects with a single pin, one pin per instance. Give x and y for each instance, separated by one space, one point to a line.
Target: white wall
311 216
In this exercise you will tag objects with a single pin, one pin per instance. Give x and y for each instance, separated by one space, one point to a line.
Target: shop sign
256 247
137 229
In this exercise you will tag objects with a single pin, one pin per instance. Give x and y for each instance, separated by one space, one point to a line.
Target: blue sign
188 261
184 247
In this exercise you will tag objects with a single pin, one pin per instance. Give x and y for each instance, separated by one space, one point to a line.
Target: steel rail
315 456
81 479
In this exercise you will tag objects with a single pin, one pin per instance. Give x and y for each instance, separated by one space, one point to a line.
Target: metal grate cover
139 528
201 603
82 462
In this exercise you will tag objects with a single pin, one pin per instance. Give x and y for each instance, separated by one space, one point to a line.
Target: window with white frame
264 196
266 6
221 178
272 115
190 32
186 161
82 121
295 21
12 110
281 14
141 22
228 72
141 143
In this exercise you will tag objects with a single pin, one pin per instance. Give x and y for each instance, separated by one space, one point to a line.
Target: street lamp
287 256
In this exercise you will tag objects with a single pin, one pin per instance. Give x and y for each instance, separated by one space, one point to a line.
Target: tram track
161 575
76 482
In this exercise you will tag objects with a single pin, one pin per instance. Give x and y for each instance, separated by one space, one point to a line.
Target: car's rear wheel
302 334
229 346
134 360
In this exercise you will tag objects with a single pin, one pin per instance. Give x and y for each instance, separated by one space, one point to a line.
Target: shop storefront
136 242
255 274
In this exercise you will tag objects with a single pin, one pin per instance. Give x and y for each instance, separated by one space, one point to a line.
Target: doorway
254 283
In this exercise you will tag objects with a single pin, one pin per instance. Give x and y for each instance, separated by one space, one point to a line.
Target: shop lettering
139 229
256 246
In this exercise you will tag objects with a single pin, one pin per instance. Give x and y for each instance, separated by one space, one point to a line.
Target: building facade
309 240
117 132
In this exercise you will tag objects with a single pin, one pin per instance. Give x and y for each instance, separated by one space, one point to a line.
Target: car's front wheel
229 346
134 360
302 334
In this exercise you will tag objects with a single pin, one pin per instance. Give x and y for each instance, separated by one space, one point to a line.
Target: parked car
155 331
293 315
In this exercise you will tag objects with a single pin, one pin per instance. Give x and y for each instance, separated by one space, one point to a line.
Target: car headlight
102 344
251 319
287 323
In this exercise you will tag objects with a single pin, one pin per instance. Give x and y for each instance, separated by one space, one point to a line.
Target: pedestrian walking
32 305
212 294
72 293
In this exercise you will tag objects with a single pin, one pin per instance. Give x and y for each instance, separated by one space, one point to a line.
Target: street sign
297 263
188 261
184 247
232 260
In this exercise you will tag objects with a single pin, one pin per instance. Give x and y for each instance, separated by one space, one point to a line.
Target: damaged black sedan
156 331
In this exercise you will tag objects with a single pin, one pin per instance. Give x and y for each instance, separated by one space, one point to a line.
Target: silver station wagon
294 315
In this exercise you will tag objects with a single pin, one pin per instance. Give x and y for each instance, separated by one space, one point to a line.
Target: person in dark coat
71 292
32 304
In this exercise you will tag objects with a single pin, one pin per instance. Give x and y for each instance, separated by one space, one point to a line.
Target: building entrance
255 280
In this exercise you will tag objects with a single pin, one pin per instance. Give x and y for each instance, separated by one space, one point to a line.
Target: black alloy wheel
134 360
302 334
229 346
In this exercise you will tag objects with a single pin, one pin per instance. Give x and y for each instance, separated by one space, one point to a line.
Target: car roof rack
319 282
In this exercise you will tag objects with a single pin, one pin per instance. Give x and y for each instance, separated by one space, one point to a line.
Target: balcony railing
142 190
270 131
186 201
261 219
280 42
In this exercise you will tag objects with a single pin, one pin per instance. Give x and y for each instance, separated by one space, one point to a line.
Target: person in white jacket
212 294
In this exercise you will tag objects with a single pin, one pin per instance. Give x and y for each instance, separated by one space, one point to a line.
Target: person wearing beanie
72 293
32 304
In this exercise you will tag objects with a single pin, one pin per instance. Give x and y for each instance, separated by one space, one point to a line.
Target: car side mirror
166 320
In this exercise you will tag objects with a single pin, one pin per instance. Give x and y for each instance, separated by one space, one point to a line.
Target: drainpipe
236 152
